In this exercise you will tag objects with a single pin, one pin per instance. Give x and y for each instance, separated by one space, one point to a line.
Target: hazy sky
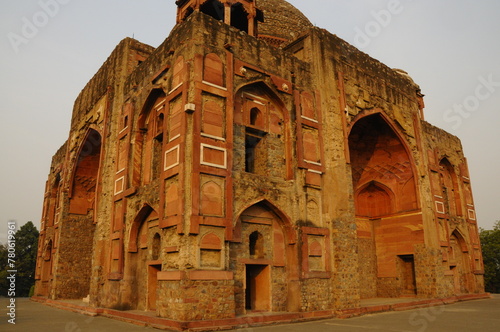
51 48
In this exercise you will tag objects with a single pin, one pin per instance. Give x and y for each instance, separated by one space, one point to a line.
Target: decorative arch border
454 174
269 91
284 221
274 97
380 185
143 213
461 239
446 158
147 105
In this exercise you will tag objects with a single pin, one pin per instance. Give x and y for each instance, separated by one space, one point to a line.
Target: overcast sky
51 48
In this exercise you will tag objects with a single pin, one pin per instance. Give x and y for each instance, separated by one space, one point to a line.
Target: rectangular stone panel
122 155
175 118
172 201
213 156
213 116
119 185
171 158
212 195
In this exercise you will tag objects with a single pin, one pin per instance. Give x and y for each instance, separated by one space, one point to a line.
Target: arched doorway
143 260
460 264
385 204
261 261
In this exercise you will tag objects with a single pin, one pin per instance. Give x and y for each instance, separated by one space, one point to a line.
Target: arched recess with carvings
374 200
450 189
387 207
261 123
265 259
149 138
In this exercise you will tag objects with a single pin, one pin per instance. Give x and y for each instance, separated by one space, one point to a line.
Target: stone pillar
251 25
227 13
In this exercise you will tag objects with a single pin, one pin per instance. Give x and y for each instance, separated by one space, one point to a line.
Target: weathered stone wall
316 295
188 300
47 242
367 270
455 216
431 281
74 263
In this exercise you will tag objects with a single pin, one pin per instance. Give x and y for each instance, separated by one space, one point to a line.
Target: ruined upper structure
253 162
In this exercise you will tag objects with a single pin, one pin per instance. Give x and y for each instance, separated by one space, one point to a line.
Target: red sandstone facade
253 162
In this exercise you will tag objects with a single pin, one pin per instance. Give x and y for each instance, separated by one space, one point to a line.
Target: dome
282 22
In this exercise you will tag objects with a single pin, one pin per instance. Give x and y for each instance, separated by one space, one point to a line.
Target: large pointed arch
396 129
387 205
379 152
392 124
90 146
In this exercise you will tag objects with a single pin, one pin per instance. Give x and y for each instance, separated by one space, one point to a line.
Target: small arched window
48 251
159 126
156 247
450 192
255 116
211 251
256 245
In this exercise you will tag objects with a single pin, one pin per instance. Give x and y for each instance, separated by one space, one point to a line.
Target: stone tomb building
254 162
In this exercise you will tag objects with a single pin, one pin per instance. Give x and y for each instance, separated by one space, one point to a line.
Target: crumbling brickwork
251 165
